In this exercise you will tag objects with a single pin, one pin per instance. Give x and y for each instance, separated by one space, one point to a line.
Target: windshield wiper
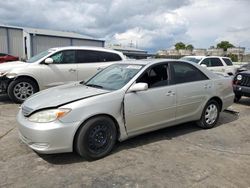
94 85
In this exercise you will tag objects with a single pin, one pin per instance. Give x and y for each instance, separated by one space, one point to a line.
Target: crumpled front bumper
4 82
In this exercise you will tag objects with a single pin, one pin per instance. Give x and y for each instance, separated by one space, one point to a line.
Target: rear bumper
242 90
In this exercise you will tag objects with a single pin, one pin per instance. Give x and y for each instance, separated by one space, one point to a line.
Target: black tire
96 138
210 115
237 98
20 89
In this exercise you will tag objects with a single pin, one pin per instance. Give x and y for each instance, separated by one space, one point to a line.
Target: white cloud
151 24
211 21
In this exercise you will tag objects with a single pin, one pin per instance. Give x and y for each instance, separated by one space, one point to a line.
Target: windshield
38 56
114 77
193 59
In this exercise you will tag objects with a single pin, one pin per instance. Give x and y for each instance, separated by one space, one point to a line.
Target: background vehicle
241 82
244 67
122 101
53 67
214 63
7 58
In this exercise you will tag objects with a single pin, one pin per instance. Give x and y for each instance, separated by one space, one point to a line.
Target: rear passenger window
216 62
106 56
227 61
183 72
90 56
86 56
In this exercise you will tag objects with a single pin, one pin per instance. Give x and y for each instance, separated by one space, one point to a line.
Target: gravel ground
180 156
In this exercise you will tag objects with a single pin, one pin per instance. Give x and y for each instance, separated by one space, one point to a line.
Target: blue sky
148 24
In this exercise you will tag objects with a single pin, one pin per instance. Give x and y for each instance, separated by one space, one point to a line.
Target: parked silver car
122 101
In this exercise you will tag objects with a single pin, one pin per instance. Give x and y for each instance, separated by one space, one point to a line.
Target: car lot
180 156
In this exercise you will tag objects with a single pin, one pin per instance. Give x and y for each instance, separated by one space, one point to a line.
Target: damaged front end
4 83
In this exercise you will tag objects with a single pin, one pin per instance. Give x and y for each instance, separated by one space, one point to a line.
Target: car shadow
148 138
4 99
244 101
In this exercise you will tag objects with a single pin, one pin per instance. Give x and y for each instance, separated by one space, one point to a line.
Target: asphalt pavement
179 156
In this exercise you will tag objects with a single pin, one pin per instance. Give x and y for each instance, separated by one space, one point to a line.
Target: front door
154 108
214 64
63 69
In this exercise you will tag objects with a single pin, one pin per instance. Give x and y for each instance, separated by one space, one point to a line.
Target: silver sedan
122 101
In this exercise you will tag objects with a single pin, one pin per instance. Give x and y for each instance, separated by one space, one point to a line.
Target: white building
199 51
236 50
215 52
27 42
185 52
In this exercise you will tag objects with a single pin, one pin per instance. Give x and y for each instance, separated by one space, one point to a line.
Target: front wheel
20 89
210 115
96 138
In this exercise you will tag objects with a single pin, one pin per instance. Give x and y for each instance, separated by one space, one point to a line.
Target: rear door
193 88
89 62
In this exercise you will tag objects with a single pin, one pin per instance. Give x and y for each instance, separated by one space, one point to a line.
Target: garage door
15 37
42 43
16 42
79 42
3 41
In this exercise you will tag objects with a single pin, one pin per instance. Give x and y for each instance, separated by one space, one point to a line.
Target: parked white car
53 67
214 63
124 100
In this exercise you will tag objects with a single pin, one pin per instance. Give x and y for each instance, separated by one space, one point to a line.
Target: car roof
154 61
199 57
84 48
148 62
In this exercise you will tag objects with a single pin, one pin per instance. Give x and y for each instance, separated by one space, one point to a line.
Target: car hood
8 66
60 95
245 72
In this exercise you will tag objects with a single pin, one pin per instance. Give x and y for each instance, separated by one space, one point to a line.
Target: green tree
180 45
233 57
225 45
190 47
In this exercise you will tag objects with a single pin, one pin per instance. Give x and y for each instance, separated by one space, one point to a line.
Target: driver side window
64 57
156 76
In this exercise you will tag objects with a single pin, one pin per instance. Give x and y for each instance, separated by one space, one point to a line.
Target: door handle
207 86
72 70
170 93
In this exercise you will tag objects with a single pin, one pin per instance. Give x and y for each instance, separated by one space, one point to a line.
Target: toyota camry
120 102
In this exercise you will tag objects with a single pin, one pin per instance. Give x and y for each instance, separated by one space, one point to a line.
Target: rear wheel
96 138
210 115
19 90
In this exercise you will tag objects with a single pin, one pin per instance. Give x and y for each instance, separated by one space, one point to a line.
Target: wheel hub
98 138
211 114
23 90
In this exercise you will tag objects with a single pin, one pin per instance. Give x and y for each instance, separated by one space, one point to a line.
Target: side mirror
48 61
138 87
204 65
